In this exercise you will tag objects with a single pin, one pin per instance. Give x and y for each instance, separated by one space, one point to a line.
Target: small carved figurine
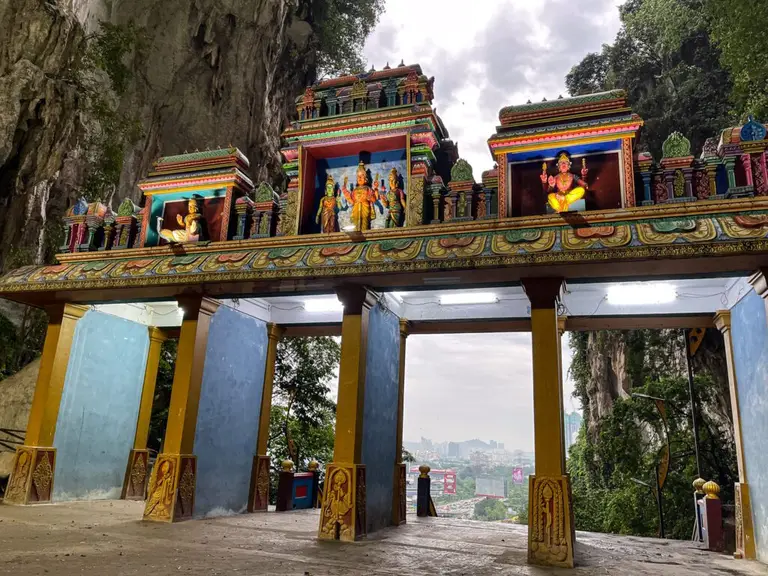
191 225
566 188
327 209
395 201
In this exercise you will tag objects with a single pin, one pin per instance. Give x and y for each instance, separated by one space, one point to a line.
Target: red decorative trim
629 174
628 129
226 215
501 160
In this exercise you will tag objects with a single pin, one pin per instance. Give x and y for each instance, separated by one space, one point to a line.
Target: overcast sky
487 54
484 54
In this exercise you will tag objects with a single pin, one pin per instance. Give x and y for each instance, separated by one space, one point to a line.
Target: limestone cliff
210 73
616 361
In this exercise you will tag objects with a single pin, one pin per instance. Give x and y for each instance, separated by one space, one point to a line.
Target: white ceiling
691 296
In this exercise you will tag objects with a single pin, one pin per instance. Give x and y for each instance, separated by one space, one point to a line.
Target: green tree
491 510
341 27
739 29
664 58
162 399
628 443
302 421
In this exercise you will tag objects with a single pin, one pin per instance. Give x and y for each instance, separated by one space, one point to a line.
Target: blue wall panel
99 407
228 417
380 427
750 350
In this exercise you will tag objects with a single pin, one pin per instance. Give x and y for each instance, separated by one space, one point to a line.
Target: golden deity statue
363 199
394 200
566 188
326 212
191 225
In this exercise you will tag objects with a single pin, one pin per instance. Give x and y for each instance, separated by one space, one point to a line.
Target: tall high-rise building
572 427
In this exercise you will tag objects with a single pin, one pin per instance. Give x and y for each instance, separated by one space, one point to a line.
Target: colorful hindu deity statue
394 200
362 200
191 225
565 188
329 204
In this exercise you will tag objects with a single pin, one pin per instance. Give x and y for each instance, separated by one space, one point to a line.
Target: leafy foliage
341 27
162 400
604 470
739 29
666 60
491 510
302 421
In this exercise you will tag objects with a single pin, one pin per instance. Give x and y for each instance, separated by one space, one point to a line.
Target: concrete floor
106 539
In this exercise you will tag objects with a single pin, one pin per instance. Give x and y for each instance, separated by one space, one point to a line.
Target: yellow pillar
31 478
342 515
745 533
135 481
258 497
171 496
398 482
550 517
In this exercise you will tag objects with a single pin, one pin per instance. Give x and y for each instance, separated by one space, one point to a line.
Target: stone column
550 516
343 514
745 534
32 478
171 495
135 482
399 504
258 496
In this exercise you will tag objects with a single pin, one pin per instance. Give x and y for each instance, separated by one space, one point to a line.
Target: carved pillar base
31 480
399 499
258 493
342 516
136 475
745 533
171 495
550 521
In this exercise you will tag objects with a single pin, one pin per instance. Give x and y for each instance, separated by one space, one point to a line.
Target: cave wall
211 73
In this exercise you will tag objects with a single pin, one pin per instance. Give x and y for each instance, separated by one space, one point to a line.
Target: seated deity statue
565 188
191 225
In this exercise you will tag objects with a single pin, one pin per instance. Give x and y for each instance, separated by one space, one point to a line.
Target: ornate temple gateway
378 210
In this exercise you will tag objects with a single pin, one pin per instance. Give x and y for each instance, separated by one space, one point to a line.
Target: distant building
572 427
454 450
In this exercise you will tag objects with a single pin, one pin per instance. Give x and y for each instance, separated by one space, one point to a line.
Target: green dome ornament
462 171
676 146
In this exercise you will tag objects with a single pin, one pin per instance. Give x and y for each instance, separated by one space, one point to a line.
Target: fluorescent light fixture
323 305
348 228
641 294
181 312
468 298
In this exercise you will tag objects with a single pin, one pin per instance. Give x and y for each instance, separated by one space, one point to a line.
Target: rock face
16 393
219 72
39 119
211 73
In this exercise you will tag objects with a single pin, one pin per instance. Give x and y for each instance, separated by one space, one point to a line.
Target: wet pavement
107 538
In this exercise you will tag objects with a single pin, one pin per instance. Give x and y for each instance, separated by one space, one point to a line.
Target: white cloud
488 54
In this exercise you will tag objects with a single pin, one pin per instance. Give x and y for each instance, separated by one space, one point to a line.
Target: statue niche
394 201
565 190
192 225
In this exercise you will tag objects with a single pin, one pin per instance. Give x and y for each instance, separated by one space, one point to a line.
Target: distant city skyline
474 386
